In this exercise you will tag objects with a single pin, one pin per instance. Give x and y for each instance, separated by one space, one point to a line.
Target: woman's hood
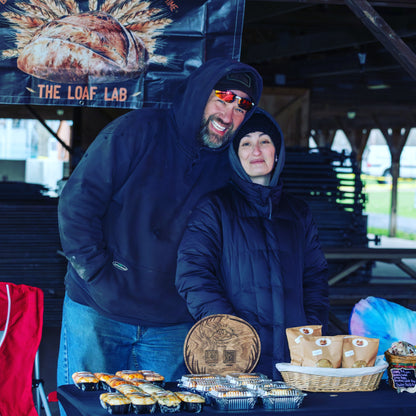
278 141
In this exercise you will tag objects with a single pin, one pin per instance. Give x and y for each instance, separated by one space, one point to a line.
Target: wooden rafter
383 32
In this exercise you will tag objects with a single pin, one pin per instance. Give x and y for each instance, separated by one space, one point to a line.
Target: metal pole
40 393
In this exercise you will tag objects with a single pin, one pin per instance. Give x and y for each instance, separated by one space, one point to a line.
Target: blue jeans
92 342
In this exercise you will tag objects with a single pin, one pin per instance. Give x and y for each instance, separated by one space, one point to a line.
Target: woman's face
257 156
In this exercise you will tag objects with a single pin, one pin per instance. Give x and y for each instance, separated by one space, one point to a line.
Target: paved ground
407 225
389 242
382 272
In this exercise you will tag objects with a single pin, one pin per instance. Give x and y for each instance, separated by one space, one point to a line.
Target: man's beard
213 140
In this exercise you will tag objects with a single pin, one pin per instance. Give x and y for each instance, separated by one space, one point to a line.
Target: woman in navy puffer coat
253 251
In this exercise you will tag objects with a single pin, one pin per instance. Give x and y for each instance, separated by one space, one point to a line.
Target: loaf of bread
90 47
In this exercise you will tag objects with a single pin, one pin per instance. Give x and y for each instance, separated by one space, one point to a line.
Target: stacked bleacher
29 243
330 183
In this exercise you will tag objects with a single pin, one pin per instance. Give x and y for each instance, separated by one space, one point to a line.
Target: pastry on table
142 402
115 403
86 381
191 402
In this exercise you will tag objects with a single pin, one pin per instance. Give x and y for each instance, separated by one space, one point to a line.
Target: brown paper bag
294 336
322 351
359 351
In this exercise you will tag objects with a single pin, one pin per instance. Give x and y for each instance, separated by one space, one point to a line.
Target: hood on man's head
242 81
191 96
258 122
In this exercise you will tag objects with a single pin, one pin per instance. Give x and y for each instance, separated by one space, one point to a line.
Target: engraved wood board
221 344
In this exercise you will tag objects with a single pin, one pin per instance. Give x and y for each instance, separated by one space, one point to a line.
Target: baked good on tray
115 402
85 380
138 382
103 377
168 401
129 374
191 402
151 388
142 402
152 376
114 382
128 389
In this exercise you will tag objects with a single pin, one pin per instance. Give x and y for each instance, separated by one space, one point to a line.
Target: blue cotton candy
379 318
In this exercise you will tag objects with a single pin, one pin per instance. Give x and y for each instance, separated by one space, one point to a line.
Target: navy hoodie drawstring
192 164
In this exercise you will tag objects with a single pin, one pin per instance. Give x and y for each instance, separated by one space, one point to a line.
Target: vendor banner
110 53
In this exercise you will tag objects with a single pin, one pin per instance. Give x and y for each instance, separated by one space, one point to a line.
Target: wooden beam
396 139
329 39
54 134
383 32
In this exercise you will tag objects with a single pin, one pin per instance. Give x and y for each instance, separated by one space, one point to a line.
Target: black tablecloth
382 402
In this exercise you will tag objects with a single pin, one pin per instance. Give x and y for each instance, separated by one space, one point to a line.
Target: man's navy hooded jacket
124 208
253 251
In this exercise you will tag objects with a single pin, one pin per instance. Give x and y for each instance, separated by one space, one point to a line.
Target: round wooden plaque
221 344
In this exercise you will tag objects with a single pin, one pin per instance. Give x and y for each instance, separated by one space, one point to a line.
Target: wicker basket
333 379
398 362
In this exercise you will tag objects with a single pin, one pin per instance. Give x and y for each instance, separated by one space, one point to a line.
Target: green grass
378 201
379 198
399 234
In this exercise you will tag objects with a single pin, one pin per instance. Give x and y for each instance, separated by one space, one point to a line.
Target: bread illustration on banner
113 42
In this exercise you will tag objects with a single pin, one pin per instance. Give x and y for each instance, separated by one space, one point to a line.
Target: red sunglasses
229 97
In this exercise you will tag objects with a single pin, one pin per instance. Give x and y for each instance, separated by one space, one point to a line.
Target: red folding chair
21 321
